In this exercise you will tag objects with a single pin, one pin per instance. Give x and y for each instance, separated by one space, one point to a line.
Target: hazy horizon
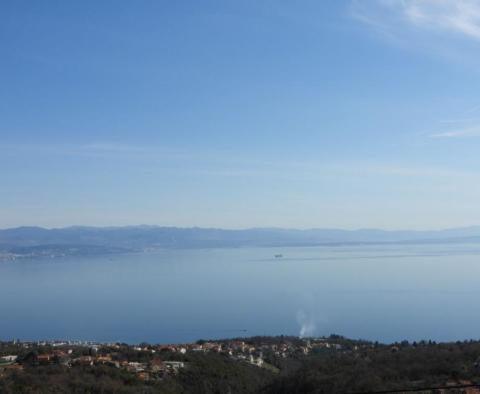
472 226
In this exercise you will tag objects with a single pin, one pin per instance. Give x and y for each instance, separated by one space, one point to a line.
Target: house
83 360
8 359
157 365
174 366
45 358
136 367
145 376
256 361
103 359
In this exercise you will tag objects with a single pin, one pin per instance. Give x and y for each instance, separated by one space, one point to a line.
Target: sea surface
384 293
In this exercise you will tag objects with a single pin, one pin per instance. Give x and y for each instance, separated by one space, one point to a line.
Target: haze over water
386 293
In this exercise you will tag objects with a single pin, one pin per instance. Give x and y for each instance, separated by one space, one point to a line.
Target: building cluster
157 365
59 354
242 350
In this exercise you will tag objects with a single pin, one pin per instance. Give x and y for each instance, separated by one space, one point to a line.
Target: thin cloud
400 170
155 160
472 110
95 150
459 17
468 132
462 120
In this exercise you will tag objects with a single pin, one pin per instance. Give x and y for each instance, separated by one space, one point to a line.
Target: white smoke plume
307 324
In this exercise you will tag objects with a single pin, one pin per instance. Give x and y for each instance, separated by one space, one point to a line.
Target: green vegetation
289 365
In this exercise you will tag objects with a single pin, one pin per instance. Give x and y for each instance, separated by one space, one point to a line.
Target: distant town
268 365
156 364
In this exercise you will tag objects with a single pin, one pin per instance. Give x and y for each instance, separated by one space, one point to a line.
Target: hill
34 241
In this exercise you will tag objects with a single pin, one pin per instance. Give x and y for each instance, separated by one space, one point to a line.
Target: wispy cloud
460 120
466 132
472 110
95 150
458 17
164 160
460 127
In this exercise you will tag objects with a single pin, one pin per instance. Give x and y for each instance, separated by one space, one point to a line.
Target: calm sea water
384 293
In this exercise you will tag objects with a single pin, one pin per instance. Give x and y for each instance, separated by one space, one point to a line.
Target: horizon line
105 227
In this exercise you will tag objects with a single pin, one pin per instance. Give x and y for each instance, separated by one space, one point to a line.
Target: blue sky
236 114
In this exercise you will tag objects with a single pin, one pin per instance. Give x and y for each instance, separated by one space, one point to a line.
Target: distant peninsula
22 242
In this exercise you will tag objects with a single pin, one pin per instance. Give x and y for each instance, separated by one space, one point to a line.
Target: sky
234 114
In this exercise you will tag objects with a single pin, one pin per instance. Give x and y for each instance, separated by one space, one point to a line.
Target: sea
383 293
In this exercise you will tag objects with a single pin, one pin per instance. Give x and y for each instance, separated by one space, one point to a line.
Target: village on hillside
152 362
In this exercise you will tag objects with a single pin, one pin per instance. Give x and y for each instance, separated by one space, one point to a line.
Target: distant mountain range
34 241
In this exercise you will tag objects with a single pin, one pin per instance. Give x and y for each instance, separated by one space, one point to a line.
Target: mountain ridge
31 241
151 235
